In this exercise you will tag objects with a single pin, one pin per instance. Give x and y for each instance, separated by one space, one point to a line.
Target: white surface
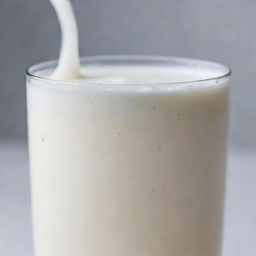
15 224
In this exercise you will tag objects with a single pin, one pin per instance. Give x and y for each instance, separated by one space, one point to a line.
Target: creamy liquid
68 66
119 169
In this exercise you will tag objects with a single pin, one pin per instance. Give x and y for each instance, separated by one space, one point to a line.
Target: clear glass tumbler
128 169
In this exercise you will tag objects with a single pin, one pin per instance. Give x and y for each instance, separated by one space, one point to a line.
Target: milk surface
119 170
138 74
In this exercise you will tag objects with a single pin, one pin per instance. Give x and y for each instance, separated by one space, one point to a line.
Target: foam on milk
121 80
138 74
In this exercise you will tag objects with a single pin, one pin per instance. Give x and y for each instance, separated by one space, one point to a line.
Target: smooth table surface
15 218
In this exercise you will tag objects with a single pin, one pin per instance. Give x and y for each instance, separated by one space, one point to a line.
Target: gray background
218 30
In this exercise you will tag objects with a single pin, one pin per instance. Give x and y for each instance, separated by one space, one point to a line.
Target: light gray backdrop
219 30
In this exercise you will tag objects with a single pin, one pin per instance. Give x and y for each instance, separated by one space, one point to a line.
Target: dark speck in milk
43 138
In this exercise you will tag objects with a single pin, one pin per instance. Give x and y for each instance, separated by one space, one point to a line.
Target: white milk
128 169
68 66
119 169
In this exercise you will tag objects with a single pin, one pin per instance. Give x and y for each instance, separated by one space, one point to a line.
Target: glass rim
30 72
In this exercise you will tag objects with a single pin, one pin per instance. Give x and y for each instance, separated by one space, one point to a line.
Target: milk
68 65
126 159
122 169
